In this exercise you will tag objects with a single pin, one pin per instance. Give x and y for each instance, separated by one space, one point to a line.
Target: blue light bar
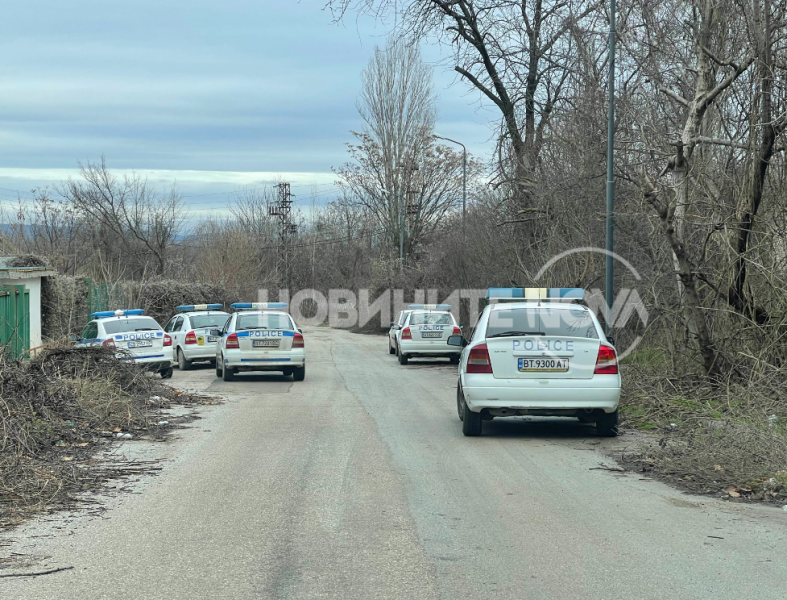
430 306
200 307
117 313
535 294
259 305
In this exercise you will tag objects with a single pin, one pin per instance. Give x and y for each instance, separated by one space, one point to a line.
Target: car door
89 335
177 332
392 330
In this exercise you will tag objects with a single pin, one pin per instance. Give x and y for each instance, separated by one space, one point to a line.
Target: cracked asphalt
357 484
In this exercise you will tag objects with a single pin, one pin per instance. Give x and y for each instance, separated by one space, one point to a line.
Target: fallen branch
38 573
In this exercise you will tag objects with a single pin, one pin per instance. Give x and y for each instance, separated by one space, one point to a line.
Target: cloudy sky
213 96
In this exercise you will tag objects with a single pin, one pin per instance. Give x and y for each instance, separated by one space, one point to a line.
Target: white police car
425 332
260 336
537 356
190 332
393 332
135 336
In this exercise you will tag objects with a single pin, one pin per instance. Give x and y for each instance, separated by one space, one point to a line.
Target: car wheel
402 359
471 421
183 364
455 359
391 349
299 374
166 373
212 363
227 373
607 424
459 402
218 370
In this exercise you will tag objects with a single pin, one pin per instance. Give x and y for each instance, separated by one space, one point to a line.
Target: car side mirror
216 332
611 340
392 324
457 340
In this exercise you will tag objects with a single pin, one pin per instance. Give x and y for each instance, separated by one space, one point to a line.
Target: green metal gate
15 320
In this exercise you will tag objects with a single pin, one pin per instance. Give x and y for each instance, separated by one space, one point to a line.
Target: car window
226 327
90 332
208 321
136 324
403 316
178 324
263 321
168 328
430 319
542 321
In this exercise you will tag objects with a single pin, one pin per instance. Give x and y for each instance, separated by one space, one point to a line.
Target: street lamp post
464 177
609 273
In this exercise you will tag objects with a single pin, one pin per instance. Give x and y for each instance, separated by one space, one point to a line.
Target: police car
425 332
135 336
190 332
393 332
536 354
260 336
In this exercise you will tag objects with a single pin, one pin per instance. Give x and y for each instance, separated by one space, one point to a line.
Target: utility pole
610 269
464 178
283 210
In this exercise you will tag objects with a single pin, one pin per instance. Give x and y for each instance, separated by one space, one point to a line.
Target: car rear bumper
196 352
268 361
428 348
541 400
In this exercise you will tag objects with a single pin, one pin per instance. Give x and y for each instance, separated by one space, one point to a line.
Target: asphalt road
357 484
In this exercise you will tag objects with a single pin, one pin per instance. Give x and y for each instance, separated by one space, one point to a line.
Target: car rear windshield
430 319
542 321
138 324
216 320
263 322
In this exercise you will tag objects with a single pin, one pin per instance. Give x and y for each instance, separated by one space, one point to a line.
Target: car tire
166 373
472 422
459 402
218 369
183 363
455 359
391 349
607 424
212 363
227 373
299 374
402 359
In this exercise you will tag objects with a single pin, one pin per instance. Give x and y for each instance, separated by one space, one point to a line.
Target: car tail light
607 361
406 335
232 341
110 343
191 338
478 360
297 341
167 340
457 331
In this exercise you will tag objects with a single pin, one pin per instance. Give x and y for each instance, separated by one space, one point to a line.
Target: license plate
265 343
140 344
431 334
543 365
212 339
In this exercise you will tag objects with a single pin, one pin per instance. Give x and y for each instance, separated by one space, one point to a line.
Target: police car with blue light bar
135 336
535 352
425 332
260 336
190 332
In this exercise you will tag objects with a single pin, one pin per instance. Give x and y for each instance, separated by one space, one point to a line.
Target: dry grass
726 439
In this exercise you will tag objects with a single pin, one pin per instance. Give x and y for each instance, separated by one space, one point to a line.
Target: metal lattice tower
287 229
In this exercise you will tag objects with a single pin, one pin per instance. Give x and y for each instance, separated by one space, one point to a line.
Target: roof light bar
259 305
190 307
429 306
553 294
117 313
